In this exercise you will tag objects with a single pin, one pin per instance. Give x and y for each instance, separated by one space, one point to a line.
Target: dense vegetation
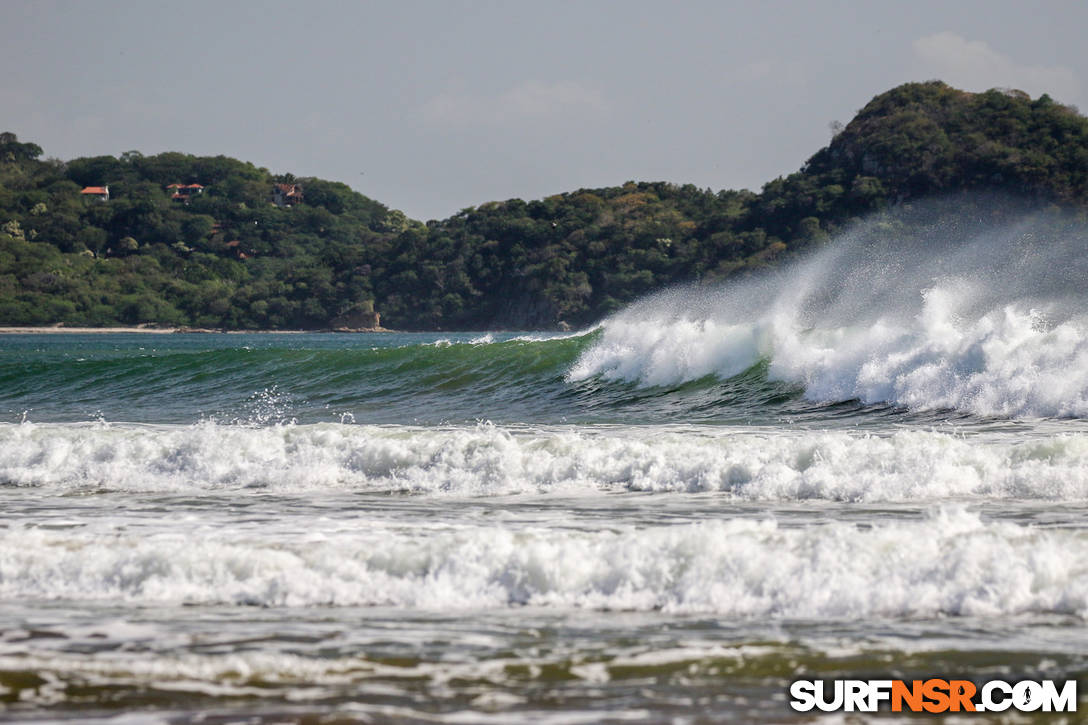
227 256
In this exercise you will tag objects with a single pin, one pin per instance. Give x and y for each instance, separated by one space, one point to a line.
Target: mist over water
872 461
980 309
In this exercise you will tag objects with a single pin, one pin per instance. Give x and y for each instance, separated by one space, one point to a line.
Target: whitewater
870 462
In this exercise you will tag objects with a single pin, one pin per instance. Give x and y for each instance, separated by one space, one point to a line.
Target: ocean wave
953 563
990 321
1009 362
487 460
313 378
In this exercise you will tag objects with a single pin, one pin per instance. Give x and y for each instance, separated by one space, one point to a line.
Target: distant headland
176 241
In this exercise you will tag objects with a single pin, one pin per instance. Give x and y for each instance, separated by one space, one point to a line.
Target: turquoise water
389 378
378 378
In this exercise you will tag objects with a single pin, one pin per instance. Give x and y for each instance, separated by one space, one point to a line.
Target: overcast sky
431 107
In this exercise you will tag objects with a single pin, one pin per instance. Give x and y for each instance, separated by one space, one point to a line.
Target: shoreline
147 330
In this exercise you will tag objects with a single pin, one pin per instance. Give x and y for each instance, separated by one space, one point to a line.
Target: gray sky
431 107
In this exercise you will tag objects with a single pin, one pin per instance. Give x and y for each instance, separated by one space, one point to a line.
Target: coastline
148 330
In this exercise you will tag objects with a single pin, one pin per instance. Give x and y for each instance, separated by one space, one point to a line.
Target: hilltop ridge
219 243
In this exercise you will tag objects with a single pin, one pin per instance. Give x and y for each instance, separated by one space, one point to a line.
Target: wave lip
953 563
1010 362
487 460
954 314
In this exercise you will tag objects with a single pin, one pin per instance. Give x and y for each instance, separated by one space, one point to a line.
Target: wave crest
982 319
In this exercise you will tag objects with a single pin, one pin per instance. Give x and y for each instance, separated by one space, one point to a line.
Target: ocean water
871 464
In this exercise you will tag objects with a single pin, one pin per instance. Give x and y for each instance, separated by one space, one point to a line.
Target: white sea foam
754 464
953 563
994 324
489 338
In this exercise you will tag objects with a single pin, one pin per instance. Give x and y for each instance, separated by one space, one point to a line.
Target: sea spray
931 308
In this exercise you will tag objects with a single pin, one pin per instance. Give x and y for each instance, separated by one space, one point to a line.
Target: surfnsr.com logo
933 695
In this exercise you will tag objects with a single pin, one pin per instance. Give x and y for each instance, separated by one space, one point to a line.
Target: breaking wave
487 460
990 319
954 563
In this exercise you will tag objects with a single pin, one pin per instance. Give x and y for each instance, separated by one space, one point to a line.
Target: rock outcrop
357 320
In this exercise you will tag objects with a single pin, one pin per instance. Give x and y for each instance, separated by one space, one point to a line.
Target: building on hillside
287 194
100 193
185 192
235 248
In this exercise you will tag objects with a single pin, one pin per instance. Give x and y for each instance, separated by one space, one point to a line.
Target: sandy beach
59 330
54 330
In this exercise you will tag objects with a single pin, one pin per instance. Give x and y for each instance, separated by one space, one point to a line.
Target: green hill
223 253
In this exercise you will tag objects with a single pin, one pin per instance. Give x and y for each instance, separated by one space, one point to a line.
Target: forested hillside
216 242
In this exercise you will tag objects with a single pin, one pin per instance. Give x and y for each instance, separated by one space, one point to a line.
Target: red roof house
286 194
184 192
102 193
